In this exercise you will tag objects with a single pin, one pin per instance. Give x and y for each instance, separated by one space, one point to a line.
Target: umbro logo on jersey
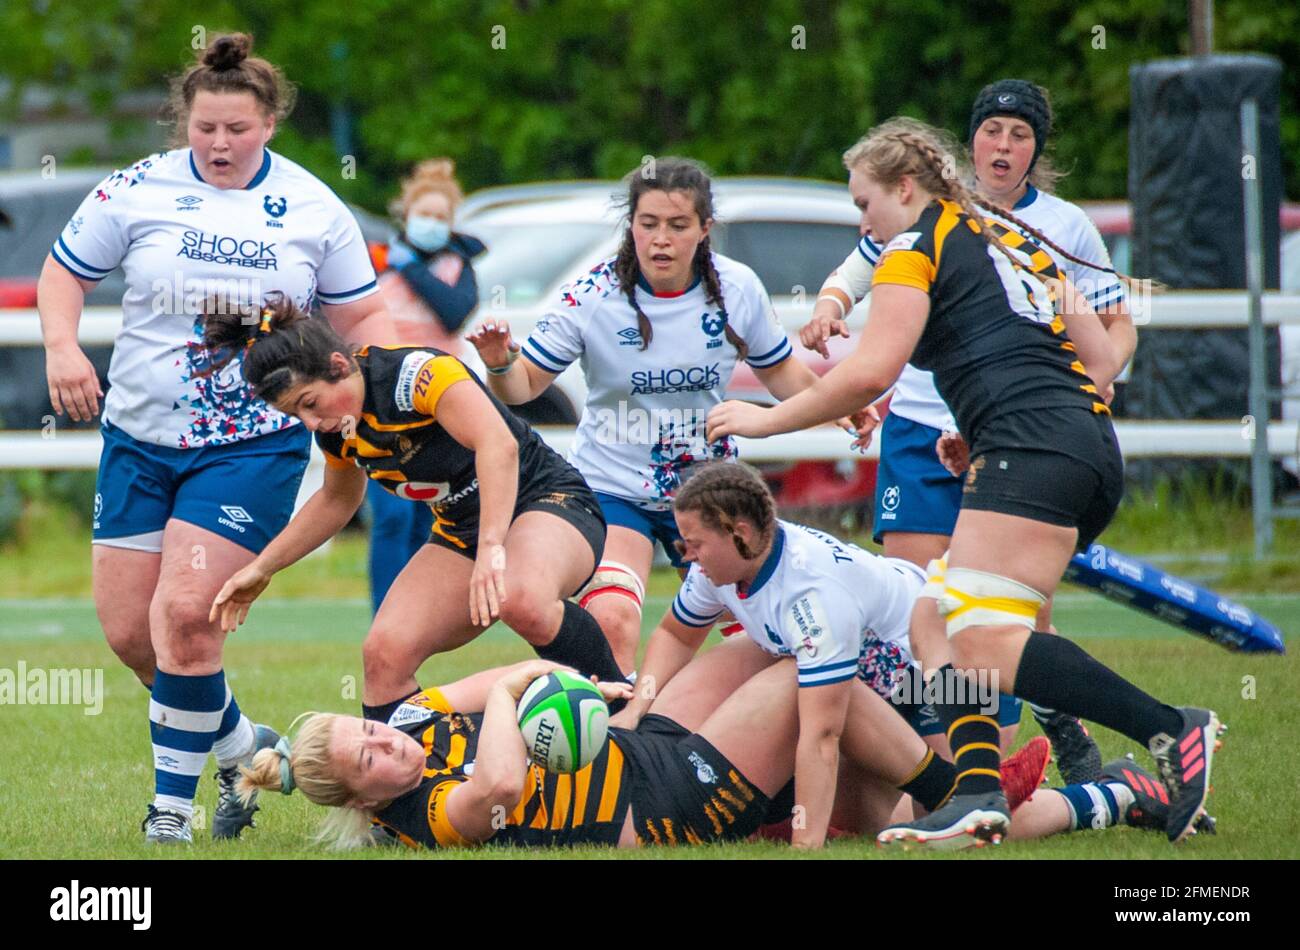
631 336
188 203
236 518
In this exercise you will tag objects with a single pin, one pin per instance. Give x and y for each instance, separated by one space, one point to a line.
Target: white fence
56 449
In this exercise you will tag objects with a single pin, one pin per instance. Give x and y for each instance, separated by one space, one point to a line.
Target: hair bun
443 169
228 51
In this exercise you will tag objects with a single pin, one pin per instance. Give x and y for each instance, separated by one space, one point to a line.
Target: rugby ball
564 720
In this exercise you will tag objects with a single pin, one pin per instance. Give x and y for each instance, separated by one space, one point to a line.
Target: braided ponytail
725 493
628 271
713 294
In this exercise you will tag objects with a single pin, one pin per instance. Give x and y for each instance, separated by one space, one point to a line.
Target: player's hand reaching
237 595
865 421
487 585
821 328
953 452
736 418
494 344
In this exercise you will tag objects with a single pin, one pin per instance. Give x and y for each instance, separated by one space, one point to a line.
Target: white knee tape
935 573
976 598
613 577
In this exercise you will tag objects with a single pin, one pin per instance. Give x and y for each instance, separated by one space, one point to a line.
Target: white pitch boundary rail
80 450
1181 310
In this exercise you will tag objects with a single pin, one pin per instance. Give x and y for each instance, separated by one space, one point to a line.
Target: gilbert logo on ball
564 721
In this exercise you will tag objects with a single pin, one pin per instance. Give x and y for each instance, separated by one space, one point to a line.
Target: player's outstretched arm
672 645
324 515
896 321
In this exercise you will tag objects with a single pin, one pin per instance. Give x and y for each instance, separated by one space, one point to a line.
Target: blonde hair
932 158
312 769
431 175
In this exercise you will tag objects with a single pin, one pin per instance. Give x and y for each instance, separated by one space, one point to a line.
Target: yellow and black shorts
687 792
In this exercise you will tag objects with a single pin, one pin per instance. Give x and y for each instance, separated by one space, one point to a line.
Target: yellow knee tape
976 598
934 578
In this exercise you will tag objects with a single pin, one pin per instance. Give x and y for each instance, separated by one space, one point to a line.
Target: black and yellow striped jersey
587 807
993 339
399 442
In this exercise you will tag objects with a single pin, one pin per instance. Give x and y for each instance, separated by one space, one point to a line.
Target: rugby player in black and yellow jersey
1020 361
448 768
516 529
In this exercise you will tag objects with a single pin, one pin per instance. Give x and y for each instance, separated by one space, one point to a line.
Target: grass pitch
75 786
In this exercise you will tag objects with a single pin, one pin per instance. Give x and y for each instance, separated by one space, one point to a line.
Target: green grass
75 786
1191 533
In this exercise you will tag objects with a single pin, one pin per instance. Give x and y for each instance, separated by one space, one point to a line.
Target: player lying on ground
449 769
1046 473
516 530
841 612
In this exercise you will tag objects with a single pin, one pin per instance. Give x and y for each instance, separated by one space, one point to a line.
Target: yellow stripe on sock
920 767
965 719
975 745
992 772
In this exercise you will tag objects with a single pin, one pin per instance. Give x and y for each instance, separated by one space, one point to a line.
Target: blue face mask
428 234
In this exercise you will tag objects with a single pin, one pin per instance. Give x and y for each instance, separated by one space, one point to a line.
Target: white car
792 232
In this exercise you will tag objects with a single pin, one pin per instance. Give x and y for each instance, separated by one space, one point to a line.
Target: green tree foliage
531 90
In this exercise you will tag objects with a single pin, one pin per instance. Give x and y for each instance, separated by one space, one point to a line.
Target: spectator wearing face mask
426 276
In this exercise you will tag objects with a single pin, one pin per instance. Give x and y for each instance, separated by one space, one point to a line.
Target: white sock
236 747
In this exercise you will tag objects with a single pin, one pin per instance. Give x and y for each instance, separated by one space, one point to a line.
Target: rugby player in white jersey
841 613
197 474
917 498
659 330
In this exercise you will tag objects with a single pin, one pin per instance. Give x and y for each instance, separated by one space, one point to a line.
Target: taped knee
935 573
611 577
976 598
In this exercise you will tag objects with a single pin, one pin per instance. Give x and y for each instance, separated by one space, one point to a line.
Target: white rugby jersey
816 598
915 396
642 429
180 241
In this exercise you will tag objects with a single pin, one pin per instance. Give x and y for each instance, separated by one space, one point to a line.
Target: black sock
581 644
384 711
972 734
1058 674
931 781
